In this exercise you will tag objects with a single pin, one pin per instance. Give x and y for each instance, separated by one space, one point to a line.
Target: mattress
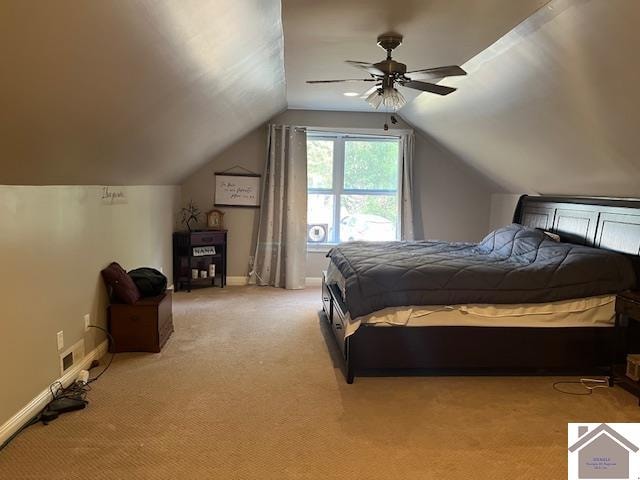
512 265
596 311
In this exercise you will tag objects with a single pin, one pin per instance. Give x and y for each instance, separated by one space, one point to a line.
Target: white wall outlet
87 321
60 338
83 377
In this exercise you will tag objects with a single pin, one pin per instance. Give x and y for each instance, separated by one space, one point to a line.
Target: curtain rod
296 127
396 132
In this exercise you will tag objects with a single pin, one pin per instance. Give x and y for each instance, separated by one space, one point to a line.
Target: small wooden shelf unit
184 260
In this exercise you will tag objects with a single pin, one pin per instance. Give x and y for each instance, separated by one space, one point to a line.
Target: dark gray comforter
514 264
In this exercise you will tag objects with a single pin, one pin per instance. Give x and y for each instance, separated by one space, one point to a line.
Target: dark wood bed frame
613 224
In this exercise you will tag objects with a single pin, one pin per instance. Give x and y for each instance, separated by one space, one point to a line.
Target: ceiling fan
388 74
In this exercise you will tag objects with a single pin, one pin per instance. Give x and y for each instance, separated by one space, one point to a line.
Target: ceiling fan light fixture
389 73
390 97
375 98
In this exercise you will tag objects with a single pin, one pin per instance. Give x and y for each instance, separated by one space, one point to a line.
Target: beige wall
452 200
503 206
132 92
249 152
534 112
53 243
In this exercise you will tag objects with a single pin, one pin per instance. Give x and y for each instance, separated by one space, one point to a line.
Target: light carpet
249 387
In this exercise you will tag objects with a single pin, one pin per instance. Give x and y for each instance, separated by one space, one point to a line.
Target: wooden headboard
612 224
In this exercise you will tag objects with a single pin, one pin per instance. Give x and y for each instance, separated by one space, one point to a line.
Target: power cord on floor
33 421
590 384
112 342
75 393
77 390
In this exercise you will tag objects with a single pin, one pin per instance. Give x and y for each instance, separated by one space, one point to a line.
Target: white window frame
338 189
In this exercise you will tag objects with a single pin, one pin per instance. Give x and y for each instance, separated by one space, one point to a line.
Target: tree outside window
353 186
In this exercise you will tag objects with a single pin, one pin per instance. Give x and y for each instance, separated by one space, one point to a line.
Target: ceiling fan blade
429 87
435 73
368 67
345 80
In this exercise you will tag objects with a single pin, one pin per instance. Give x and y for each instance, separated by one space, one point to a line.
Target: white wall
54 241
452 201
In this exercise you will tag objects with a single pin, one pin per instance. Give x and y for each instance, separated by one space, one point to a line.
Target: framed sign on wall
237 190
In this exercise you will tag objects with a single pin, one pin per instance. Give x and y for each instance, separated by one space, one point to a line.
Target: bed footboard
466 350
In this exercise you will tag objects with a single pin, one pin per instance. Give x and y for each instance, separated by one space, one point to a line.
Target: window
352 184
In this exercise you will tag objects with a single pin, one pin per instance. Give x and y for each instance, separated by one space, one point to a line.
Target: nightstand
198 250
628 306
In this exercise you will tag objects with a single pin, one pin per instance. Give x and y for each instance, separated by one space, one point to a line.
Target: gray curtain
407 142
281 249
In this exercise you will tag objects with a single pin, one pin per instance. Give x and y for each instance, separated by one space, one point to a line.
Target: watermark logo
600 450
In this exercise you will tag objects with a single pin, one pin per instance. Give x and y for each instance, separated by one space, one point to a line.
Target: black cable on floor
77 390
113 345
33 421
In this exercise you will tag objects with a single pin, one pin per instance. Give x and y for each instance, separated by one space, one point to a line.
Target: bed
553 312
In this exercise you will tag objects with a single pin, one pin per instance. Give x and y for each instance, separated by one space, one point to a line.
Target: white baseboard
239 281
313 281
40 401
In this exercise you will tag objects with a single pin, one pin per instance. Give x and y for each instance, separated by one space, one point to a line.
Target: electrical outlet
87 321
60 338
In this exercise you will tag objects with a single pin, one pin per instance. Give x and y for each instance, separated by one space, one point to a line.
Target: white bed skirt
582 312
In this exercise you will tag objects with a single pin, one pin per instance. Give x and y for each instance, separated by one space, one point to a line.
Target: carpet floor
249 387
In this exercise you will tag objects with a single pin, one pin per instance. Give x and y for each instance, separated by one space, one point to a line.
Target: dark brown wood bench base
142 327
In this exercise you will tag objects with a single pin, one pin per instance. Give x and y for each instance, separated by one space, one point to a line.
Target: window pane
319 163
368 217
371 165
320 212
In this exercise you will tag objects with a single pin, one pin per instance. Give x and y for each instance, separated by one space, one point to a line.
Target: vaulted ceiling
320 35
132 91
146 91
553 106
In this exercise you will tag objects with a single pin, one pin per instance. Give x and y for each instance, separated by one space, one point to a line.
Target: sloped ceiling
132 91
320 35
552 107
146 91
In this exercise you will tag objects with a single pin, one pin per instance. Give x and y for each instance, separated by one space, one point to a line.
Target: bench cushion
124 289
